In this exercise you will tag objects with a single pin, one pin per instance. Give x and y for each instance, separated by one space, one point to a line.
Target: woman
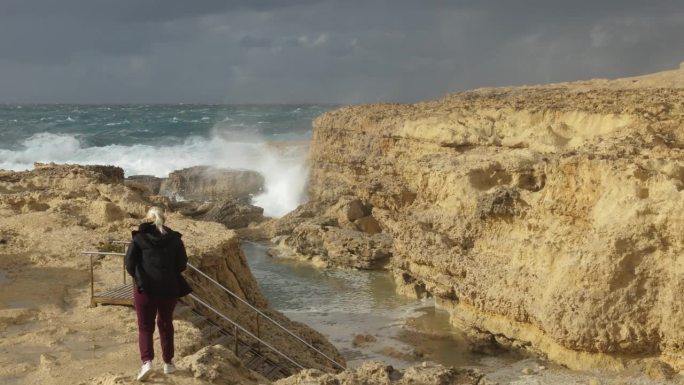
155 259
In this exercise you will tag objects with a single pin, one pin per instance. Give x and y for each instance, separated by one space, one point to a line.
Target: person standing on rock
155 259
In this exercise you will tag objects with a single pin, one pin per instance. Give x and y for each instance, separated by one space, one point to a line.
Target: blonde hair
156 214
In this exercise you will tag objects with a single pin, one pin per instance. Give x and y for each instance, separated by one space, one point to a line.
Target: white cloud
311 42
320 40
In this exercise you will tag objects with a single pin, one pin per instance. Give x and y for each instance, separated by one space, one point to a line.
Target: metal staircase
252 357
252 348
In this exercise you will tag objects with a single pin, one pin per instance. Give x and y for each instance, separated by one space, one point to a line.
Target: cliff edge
546 218
50 334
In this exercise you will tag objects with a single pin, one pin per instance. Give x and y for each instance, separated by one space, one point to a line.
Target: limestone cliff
548 218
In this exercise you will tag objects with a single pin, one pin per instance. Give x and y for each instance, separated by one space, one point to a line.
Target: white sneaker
169 368
145 371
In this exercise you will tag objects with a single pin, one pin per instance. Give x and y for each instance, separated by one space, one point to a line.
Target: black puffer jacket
155 260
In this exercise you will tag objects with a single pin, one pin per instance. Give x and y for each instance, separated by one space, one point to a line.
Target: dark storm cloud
320 51
137 10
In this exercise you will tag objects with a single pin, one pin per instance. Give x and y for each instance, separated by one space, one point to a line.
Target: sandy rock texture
342 235
48 331
208 194
234 213
377 373
209 183
151 182
544 218
218 364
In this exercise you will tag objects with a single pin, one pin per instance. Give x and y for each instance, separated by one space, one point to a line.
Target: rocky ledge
48 215
544 218
202 183
378 373
208 193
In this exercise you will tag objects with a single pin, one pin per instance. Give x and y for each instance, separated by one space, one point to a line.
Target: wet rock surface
203 183
233 213
345 235
208 194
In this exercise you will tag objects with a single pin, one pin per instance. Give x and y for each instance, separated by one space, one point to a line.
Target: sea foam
283 166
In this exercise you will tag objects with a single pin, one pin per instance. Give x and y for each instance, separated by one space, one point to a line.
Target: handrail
194 297
92 276
102 253
267 317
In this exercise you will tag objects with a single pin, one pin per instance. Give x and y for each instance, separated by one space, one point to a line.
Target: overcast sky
327 51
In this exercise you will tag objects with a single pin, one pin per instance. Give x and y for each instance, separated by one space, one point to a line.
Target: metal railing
237 326
261 313
258 312
196 299
91 254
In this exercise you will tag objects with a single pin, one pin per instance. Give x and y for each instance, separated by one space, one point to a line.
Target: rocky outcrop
216 364
332 246
150 182
344 235
233 213
49 214
377 373
94 195
203 183
544 218
208 194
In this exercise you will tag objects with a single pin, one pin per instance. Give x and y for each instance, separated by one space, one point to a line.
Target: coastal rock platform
49 334
544 218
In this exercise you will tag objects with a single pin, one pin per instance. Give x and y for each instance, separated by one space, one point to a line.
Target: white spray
283 166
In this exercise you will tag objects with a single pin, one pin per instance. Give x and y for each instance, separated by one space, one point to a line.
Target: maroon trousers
148 307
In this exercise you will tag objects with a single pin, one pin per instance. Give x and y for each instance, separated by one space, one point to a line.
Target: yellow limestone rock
547 218
51 213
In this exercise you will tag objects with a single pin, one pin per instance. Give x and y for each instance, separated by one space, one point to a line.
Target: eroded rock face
94 195
332 246
49 214
150 182
377 373
233 213
344 235
545 218
216 364
202 183
207 193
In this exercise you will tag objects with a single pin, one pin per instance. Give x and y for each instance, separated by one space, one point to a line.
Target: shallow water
343 304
